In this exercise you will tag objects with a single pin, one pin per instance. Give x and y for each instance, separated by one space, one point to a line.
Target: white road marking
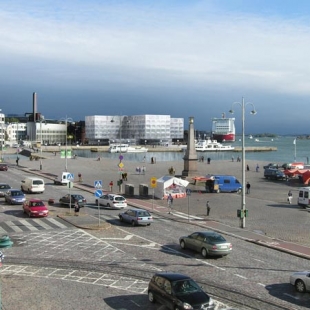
56 223
128 237
289 295
13 226
261 284
240 276
28 225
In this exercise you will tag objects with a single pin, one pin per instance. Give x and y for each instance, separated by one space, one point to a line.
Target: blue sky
182 58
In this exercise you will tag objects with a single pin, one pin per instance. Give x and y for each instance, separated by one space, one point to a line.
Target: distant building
141 129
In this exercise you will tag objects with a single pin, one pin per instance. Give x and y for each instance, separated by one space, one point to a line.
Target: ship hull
224 137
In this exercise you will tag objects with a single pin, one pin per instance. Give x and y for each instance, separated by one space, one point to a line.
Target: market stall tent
170 185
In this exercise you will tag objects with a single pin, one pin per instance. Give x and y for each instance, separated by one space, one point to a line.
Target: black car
67 200
178 292
274 174
3 167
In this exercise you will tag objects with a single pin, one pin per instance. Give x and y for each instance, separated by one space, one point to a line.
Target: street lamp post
243 210
66 119
41 140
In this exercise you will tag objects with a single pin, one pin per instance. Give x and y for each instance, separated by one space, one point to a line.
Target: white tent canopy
170 185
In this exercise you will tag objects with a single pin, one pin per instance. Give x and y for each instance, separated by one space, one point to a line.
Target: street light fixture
253 112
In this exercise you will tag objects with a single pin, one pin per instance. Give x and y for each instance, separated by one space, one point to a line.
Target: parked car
271 165
65 200
112 201
208 243
136 217
275 174
3 167
35 207
14 196
301 281
178 292
4 187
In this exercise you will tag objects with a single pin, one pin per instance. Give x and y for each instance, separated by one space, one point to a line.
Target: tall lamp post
243 210
66 119
41 140
120 130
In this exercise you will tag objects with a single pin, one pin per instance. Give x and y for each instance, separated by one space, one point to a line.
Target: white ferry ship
126 148
223 129
211 146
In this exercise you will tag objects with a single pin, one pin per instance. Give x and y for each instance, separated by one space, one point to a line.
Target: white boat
211 145
250 137
126 148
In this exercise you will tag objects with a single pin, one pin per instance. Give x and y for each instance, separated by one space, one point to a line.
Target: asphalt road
69 268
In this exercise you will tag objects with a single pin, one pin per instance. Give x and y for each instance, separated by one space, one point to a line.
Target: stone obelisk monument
190 157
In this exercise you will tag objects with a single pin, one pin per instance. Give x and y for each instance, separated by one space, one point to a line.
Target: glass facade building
135 129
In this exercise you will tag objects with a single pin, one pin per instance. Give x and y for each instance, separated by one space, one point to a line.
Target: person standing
208 208
257 168
247 168
248 187
289 197
76 208
170 202
17 160
111 186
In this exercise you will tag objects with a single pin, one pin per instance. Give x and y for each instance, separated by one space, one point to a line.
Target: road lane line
13 226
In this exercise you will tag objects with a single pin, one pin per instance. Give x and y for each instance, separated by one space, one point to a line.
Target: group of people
139 170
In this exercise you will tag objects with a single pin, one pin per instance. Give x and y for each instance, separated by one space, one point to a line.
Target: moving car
35 207
65 200
301 281
208 243
178 292
112 201
4 188
3 167
32 185
14 196
136 217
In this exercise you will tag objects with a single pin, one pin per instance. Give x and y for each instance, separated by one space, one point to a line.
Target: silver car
301 281
15 197
4 188
136 217
207 243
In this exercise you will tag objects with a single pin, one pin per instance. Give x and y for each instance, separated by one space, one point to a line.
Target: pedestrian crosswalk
27 225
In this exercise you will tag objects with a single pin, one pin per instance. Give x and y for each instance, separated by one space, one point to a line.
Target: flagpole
295 148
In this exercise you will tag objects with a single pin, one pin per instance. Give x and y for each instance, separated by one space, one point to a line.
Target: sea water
286 152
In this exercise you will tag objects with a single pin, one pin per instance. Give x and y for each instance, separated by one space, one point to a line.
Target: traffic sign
153 182
98 193
70 176
98 184
121 165
188 192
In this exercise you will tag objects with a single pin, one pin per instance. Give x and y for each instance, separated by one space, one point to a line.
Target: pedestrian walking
208 208
76 208
257 168
247 168
17 160
111 186
232 158
248 187
289 197
80 177
170 202
143 170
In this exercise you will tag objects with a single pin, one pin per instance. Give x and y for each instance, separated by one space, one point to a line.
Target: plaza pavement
107 170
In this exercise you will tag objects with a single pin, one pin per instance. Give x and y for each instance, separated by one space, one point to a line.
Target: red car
35 207
3 167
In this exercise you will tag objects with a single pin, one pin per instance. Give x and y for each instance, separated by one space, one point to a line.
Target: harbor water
286 152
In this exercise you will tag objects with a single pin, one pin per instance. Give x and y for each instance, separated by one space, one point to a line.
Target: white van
33 185
304 197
